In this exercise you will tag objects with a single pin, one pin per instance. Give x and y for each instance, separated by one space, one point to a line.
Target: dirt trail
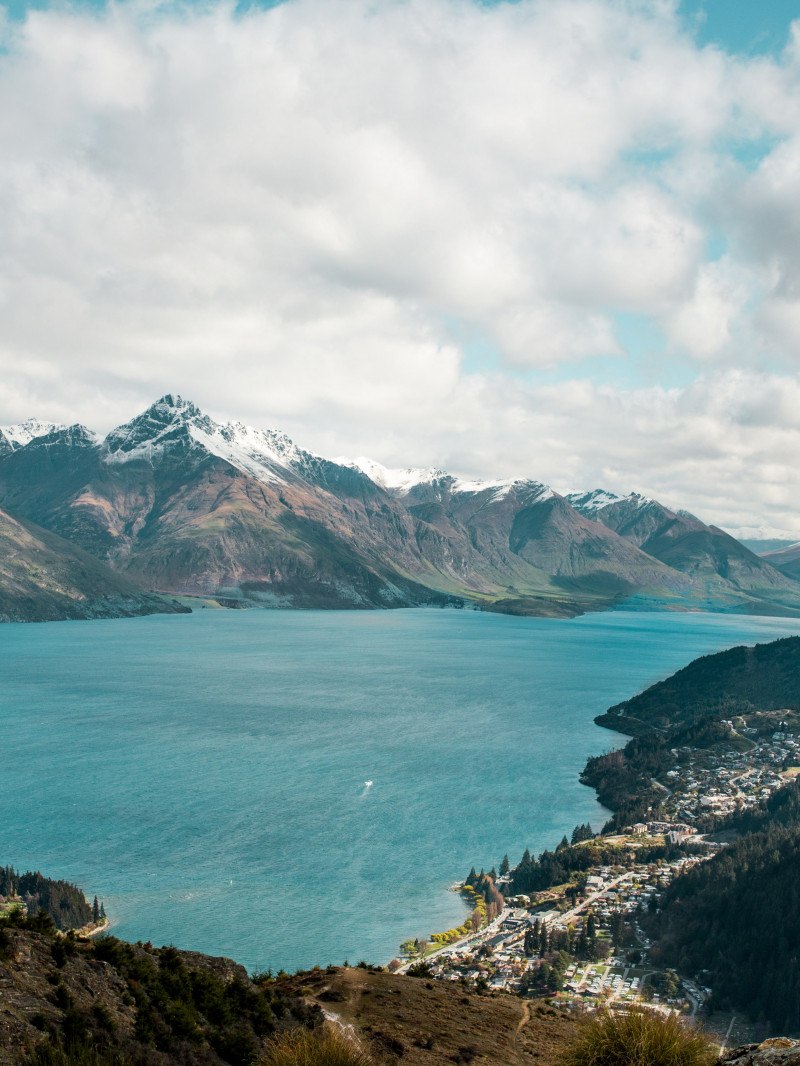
526 1017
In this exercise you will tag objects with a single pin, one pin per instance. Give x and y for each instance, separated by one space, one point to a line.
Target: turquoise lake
205 775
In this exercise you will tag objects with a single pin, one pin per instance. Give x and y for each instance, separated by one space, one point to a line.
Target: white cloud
292 216
705 323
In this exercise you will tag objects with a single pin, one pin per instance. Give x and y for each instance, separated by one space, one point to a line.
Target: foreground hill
45 578
133 1004
178 502
432 1023
151 1006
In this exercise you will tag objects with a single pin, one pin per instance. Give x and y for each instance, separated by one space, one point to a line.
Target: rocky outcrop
779 1051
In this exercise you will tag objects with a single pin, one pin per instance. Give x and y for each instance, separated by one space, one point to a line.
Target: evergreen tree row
557 867
64 902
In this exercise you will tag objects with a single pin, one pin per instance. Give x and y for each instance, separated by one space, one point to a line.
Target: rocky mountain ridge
180 503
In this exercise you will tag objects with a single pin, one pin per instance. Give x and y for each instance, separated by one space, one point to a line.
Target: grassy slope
432 1023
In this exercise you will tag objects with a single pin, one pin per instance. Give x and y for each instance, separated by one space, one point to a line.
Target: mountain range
177 503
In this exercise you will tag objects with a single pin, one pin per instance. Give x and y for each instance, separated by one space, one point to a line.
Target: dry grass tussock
640 1038
302 1048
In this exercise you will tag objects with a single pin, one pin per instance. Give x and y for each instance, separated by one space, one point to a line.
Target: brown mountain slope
186 520
45 578
434 1023
529 541
709 556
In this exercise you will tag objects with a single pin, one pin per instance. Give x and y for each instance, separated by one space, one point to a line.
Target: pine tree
504 866
583 944
95 911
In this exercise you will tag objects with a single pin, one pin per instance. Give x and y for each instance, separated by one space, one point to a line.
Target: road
564 919
446 949
727 1035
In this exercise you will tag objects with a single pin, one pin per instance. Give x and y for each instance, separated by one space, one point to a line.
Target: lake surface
205 775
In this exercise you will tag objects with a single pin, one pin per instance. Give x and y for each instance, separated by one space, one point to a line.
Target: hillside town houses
704 786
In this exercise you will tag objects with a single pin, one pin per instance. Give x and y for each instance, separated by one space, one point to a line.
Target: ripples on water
290 788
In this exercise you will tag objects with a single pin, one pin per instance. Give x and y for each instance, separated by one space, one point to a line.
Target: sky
554 239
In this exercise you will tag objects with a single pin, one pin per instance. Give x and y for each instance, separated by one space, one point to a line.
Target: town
582 942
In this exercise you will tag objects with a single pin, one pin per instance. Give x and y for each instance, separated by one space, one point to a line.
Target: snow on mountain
23 433
590 503
501 489
396 480
253 451
401 481
155 429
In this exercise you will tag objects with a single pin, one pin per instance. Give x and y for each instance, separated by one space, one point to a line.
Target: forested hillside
766 677
692 708
556 867
108 1003
738 917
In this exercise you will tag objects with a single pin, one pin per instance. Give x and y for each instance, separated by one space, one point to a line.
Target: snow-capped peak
264 441
24 432
173 425
153 427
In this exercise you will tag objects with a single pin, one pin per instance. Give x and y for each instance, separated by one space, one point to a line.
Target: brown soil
431 1023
